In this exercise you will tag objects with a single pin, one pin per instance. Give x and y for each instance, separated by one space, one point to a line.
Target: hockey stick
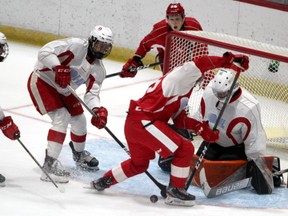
220 190
199 161
280 172
158 184
135 69
61 189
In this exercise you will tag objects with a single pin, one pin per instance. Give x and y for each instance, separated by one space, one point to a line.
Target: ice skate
101 183
2 181
84 159
179 197
55 170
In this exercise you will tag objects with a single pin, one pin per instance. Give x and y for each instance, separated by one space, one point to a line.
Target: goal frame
178 41
264 53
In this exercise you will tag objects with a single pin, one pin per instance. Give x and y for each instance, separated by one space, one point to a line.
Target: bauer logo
229 188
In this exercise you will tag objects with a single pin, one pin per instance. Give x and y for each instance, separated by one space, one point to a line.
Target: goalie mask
222 83
4 49
100 42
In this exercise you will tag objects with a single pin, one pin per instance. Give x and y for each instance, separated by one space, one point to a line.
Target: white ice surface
25 194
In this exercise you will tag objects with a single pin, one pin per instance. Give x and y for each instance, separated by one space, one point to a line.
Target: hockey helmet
175 9
222 83
4 49
100 42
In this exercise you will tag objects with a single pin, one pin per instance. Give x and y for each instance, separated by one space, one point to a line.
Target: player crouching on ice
241 133
147 131
242 140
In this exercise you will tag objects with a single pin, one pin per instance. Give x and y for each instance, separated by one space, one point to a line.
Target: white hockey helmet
4 49
222 83
100 41
102 33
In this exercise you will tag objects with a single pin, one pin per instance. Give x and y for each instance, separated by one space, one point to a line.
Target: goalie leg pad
262 180
165 163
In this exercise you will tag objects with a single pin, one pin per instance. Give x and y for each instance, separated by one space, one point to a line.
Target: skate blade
178 202
56 179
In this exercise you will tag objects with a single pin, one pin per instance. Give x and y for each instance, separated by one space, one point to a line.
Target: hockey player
241 134
175 21
147 131
73 62
8 127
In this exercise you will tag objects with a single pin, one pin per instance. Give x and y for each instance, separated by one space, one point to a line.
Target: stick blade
204 184
61 189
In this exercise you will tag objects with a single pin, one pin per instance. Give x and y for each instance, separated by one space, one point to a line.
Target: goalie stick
135 69
158 184
280 172
61 189
199 161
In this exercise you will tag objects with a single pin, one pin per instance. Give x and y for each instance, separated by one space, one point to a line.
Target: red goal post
266 78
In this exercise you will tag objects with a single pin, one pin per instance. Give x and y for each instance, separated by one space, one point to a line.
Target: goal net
266 78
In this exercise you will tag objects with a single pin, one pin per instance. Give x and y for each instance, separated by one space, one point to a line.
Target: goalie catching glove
9 129
62 75
130 68
100 118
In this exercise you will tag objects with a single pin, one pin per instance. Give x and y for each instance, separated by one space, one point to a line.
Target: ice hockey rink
26 194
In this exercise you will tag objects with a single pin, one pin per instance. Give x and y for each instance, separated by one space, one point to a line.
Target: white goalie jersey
240 122
72 52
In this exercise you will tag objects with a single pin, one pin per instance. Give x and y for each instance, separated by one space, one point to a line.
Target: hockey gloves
243 61
62 75
238 62
100 118
9 129
130 68
203 129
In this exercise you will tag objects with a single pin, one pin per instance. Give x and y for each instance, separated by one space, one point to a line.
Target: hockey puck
153 198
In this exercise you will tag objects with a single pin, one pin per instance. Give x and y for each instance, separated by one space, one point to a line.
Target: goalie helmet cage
266 78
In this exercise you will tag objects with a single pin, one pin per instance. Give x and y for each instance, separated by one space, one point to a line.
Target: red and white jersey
240 122
156 38
72 52
168 96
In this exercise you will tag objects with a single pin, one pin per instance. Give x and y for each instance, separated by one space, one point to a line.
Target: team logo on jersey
213 117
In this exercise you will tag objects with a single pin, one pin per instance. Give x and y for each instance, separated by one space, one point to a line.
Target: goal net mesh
266 78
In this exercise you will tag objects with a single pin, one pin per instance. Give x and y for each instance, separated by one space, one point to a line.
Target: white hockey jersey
72 52
240 122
